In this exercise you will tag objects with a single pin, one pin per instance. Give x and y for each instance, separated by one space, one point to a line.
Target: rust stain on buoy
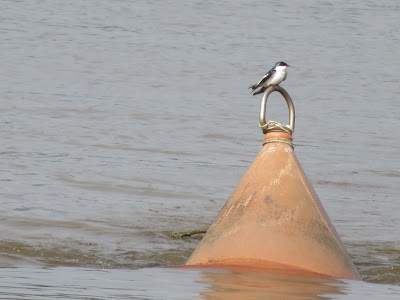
275 216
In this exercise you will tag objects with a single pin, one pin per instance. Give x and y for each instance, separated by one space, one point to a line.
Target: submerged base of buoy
253 265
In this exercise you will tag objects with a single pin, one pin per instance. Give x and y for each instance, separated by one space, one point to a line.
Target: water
126 121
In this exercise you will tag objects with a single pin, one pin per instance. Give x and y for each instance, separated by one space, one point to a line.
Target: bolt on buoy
274 216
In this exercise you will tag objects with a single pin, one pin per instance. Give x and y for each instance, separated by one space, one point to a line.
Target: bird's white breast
279 75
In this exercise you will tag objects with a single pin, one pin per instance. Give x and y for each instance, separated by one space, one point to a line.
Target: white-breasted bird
273 77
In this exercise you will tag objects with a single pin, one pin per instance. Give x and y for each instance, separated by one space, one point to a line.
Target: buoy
274 216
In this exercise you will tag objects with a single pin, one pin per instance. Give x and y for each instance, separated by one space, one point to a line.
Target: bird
273 77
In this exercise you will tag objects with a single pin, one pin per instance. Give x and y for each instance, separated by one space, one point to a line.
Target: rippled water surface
126 121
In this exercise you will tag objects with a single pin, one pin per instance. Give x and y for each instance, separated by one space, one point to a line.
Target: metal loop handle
272 125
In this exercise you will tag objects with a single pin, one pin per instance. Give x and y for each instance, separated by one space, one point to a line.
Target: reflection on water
77 283
259 285
125 121
174 283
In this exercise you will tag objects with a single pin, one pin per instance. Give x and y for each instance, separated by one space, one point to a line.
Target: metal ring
289 102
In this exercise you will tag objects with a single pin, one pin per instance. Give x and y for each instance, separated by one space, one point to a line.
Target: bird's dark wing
260 91
266 77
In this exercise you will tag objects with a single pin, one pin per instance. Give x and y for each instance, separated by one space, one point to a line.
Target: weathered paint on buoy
275 216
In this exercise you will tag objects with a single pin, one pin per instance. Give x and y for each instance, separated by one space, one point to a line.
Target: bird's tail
253 87
262 90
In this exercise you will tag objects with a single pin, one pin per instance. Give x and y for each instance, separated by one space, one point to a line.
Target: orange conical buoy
275 216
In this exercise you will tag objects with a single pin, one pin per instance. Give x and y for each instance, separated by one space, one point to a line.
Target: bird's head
281 64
